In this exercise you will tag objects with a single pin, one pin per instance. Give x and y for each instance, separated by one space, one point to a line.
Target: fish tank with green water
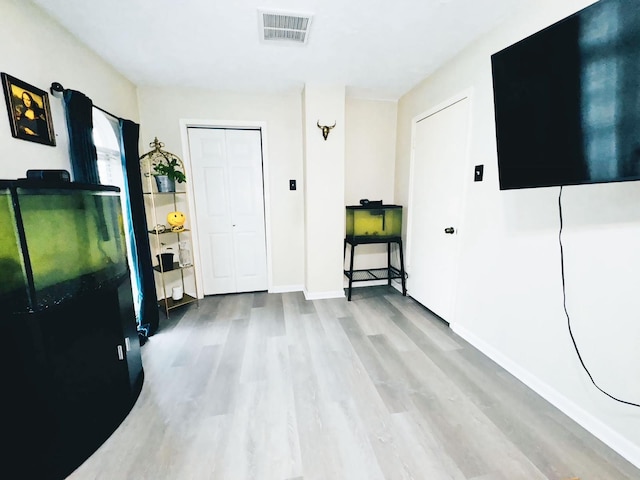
57 242
373 222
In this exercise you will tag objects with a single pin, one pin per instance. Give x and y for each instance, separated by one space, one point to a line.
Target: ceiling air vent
284 27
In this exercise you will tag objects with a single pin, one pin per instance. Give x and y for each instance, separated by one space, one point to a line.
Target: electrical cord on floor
564 302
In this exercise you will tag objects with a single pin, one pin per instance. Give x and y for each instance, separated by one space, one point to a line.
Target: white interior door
438 167
229 206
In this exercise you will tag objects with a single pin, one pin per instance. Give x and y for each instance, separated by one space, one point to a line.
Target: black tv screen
567 100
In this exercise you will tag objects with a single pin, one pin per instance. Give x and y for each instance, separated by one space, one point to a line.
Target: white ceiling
376 48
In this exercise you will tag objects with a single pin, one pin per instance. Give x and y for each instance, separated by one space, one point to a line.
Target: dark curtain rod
58 88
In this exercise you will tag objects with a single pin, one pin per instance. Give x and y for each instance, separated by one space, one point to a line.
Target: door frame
460 96
185 124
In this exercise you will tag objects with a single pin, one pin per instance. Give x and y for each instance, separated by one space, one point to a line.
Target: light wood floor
270 386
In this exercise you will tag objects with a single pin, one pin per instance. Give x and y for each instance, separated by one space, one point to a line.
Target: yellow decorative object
176 220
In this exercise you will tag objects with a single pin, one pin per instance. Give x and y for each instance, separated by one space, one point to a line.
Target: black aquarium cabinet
70 359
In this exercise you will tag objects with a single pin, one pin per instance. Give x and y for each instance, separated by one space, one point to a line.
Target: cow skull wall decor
325 129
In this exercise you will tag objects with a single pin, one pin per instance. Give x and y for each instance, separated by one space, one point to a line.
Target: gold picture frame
29 111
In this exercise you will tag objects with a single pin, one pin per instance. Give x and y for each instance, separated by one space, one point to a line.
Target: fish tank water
13 287
372 223
57 242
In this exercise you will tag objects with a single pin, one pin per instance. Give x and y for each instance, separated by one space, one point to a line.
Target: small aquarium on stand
374 222
71 364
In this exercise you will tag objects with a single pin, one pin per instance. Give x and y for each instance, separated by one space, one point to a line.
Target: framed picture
29 112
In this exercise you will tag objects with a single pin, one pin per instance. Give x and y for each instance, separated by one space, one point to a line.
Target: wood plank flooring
273 387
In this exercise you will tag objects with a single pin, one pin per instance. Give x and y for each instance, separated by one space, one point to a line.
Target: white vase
177 293
184 254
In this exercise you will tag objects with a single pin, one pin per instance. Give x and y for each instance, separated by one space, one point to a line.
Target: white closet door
439 161
229 205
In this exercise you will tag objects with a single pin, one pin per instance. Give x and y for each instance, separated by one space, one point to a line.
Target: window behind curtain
110 171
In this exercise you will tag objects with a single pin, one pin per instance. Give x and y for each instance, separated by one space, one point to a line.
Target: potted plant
167 172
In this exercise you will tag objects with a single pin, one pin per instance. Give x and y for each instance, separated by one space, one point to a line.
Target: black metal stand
389 273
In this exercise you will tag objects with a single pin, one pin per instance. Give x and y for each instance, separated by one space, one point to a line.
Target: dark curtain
84 165
140 250
84 160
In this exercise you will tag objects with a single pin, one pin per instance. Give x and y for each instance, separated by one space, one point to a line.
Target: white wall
370 146
509 299
36 50
324 165
161 110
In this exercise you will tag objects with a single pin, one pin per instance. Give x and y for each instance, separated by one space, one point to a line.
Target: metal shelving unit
158 205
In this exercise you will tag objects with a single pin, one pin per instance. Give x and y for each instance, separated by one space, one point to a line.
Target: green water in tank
75 240
375 222
13 284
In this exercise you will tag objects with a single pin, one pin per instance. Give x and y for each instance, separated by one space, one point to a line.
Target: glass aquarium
13 287
58 242
373 222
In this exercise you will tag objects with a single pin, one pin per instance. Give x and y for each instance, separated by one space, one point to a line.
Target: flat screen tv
567 100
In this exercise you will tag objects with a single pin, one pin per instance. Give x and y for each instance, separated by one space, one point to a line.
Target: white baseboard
286 288
606 434
323 295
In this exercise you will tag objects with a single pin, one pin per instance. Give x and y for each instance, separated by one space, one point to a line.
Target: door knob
449 230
